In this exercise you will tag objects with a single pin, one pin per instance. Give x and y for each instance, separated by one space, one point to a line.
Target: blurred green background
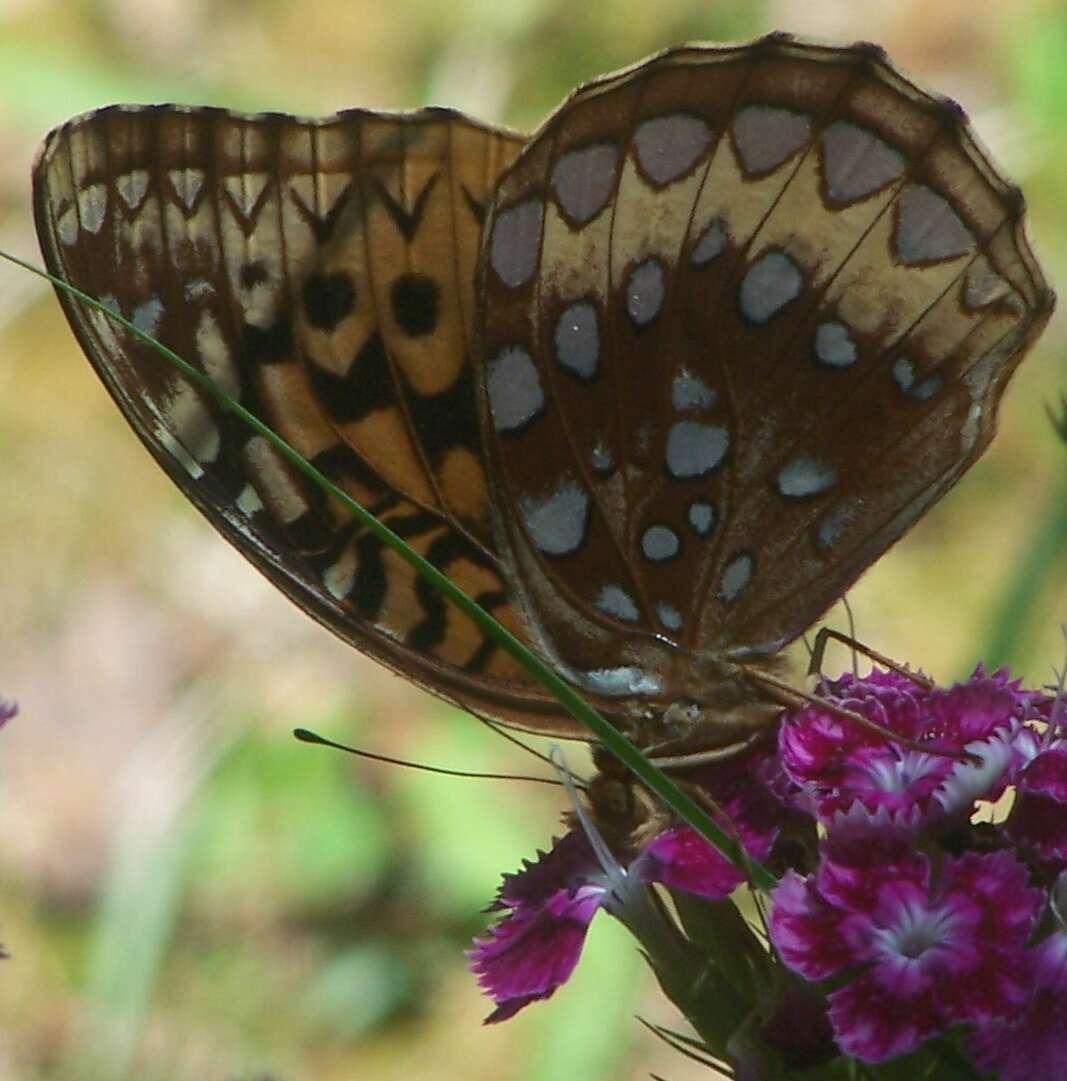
189 895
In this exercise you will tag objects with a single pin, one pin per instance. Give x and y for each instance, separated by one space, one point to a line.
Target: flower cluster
923 915
920 836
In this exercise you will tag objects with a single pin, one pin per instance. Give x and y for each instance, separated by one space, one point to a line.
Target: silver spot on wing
766 136
660 543
556 522
769 284
856 163
645 290
516 242
804 476
928 230
735 577
669 146
615 601
514 387
584 179
694 449
834 346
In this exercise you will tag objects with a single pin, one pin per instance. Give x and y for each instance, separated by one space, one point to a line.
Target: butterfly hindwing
748 312
322 273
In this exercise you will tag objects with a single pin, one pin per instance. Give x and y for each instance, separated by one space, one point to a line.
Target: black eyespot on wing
253 274
269 344
328 299
415 302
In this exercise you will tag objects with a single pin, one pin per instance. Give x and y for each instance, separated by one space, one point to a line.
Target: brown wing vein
862 380
619 543
716 552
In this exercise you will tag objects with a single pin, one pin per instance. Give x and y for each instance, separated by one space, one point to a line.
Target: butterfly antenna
307 736
503 733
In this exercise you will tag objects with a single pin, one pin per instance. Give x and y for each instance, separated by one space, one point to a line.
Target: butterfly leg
826 634
792 698
692 759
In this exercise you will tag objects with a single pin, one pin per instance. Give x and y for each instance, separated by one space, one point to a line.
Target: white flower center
898 774
917 930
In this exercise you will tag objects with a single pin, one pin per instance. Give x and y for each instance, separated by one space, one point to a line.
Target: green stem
950 1060
1011 621
623 749
686 975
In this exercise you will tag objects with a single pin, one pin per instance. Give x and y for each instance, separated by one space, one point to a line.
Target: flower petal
837 763
862 852
1032 1044
533 950
806 931
873 1023
682 859
568 864
1038 818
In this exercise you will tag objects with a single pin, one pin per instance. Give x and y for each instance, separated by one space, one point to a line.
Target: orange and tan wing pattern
322 272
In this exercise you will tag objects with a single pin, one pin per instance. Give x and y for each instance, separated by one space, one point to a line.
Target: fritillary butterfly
654 385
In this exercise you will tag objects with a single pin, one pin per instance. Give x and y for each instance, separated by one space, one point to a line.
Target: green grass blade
1039 565
623 749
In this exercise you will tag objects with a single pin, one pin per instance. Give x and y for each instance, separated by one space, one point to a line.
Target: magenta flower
919 950
835 762
1031 1044
681 859
1038 818
915 918
799 1029
550 903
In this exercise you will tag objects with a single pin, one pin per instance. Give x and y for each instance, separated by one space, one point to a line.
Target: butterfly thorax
625 813
720 716
719 708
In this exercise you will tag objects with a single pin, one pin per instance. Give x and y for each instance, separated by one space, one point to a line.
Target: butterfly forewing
748 313
322 273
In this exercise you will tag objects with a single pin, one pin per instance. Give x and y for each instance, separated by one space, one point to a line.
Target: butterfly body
654 385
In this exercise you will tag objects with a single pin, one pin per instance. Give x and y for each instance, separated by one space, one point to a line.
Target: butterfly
654 385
